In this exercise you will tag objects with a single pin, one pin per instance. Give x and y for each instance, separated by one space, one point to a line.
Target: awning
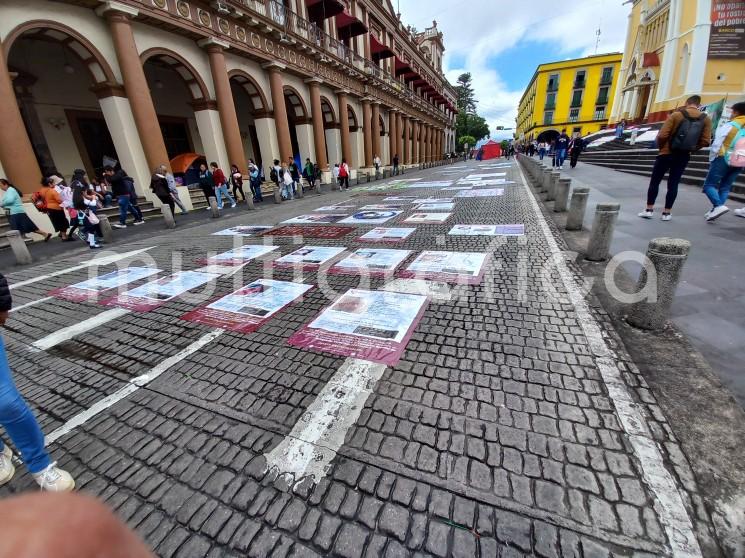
402 67
323 9
378 50
349 26
181 163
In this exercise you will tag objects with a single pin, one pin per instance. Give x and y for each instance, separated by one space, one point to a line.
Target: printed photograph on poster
314 219
427 218
485 193
346 208
370 217
92 288
308 257
369 325
244 230
248 308
488 230
240 256
403 199
321 231
456 188
155 293
451 267
432 206
433 200
387 234
373 261
382 207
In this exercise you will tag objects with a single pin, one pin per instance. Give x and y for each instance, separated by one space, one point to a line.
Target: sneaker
233 205
119 226
7 469
94 246
140 222
54 479
739 212
717 212
646 214
667 217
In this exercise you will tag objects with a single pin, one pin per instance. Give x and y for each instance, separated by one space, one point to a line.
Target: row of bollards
665 257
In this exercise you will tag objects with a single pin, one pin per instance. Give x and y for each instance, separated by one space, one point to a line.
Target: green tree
463 140
466 99
471 125
504 145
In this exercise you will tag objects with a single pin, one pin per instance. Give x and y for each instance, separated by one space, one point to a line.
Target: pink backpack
735 153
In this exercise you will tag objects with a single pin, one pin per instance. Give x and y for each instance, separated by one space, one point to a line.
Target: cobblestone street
514 423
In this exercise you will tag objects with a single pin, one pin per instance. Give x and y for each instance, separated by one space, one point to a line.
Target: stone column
210 132
266 131
428 144
407 140
399 138
225 103
376 130
367 131
393 145
598 247
319 134
422 142
135 83
415 143
17 156
279 108
346 143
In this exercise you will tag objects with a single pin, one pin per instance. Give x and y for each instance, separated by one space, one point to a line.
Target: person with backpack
21 425
561 146
134 206
88 219
12 202
288 184
121 190
255 177
343 175
72 201
49 201
236 181
221 185
159 187
727 160
275 175
206 183
308 173
575 148
295 174
686 130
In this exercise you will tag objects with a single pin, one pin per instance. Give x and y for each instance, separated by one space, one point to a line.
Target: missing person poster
451 267
485 193
369 325
92 288
155 293
435 206
244 230
427 218
240 256
387 234
315 218
487 230
371 217
248 308
370 261
308 258
320 231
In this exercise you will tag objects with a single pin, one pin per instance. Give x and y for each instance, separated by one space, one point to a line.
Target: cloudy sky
502 41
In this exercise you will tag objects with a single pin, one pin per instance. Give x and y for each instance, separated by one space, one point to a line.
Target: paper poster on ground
321 231
155 293
240 256
404 199
433 200
346 208
314 219
427 218
92 288
244 230
372 261
452 267
248 308
488 230
308 258
371 217
433 184
387 234
434 206
485 193
368 325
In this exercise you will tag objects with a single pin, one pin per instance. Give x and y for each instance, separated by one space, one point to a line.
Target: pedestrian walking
120 190
727 159
395 164
377 162
560 148
576 146
288 184
277 176
686 130
87 200
72 201
173 189
12 203
335 174
220 183
295 174
255 176
159 187
620 127
309 174
206 184
134 204
344 175
236 181
21 425
541 150
49 201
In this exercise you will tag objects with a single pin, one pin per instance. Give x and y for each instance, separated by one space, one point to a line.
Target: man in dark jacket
20 424
121 191
560 148
575 148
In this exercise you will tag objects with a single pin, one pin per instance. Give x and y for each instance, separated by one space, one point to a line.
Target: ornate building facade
144 81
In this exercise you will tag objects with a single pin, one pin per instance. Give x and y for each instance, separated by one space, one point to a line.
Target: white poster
465 267
434 206
375 217
335 208
488 230
116 278
371 260
485 193
309 257
315 219
404 199
244 230
387 234
239 256
433 200
428 218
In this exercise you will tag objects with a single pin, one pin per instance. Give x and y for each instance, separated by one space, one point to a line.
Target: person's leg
713 181
179 203
727 182
678 164
123 202
661 166
19 422
227 195
218 196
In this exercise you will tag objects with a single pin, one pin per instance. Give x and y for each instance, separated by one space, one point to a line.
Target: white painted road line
67 333
32 303
133 385
669 506
103 260
316 438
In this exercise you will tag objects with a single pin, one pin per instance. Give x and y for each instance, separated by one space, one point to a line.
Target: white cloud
481 29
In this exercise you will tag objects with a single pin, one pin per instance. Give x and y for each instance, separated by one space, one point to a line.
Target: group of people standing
559 149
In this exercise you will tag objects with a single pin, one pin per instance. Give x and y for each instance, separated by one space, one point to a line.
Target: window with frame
553 82
607 76
548 117
579 78
550 100
577 98
599 113
573 115
602 96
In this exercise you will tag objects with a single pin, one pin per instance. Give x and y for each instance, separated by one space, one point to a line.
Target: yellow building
678 48
572 94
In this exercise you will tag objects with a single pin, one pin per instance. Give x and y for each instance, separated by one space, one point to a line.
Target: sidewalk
710 303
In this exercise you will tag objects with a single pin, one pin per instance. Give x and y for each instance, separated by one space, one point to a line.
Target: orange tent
181 163
491 150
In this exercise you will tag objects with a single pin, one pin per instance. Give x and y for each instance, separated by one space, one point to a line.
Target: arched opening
547 136
331 131
179 95
297 115
384 144
58 74
355 137
250 105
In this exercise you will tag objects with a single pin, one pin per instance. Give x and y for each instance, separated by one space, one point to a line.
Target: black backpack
688 134
273 176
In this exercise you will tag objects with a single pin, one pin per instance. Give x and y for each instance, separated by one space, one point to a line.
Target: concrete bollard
277 194
667 256
299 191
319 188
561 195
168 216
250 201
213 207
367 176
19 248
553 179
105 225
598 247
545 181
577 209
